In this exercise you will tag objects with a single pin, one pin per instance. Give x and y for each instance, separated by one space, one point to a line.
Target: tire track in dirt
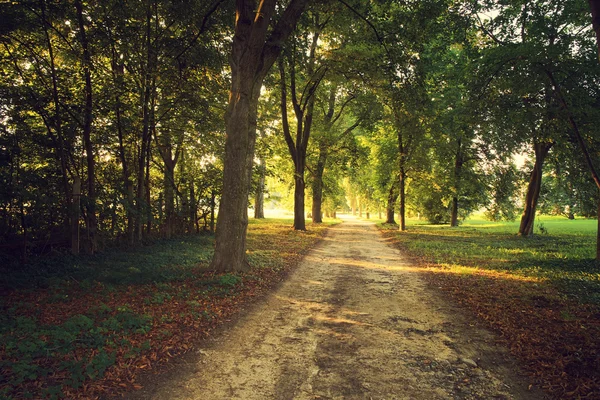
354 321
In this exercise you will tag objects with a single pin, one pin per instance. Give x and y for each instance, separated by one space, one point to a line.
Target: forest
113 116
128 123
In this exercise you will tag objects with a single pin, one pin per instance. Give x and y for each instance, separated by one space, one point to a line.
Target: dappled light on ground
353 321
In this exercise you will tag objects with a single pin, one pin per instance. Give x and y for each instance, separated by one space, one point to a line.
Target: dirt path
354 321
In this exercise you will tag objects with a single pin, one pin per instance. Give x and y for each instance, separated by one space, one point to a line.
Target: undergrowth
78 327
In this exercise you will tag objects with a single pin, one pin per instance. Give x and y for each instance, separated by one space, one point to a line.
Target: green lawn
561 251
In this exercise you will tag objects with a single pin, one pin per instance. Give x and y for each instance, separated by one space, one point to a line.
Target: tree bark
212 211
90 204
533 189
259 198
299 186
58 138
168 180
75 216
402 211
252 56
146 134
117 69
193 217
458 163
391 204
317 187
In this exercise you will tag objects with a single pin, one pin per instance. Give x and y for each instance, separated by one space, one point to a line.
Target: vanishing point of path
354 321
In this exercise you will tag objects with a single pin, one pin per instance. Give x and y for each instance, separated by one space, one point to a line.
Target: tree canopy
121 122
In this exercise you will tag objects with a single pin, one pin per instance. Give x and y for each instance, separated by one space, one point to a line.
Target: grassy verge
85 327
542 294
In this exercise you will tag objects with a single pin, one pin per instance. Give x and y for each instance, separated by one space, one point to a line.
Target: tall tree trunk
148 209
252 56
212 210
458 163
402 160
170 161
58 136
193 218
92 222
299 186
402 210
303 109
259 198
317 186
169 179
75 215
391 204
533 189
117 69
141 198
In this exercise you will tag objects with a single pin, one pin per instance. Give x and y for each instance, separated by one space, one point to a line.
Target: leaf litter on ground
91 338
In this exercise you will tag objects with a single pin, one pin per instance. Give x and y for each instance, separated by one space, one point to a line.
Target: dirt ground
354 321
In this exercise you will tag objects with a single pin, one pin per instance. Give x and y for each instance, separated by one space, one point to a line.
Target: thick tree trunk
391 204
252 56
259 198
533 189
299 218
454 212
232 220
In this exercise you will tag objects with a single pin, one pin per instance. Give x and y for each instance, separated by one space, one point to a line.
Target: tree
254 51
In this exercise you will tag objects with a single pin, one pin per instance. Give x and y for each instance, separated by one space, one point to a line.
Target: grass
541 294
562 252
77 327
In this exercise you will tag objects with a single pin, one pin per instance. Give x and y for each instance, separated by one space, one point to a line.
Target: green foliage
83 341
229 281
504 180
434 209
